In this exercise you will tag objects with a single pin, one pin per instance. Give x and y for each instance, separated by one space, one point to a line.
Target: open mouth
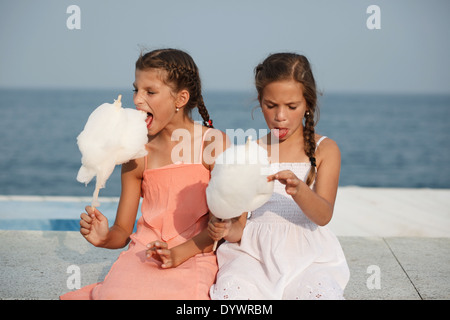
149 119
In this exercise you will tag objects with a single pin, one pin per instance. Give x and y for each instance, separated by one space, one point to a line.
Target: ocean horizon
386 140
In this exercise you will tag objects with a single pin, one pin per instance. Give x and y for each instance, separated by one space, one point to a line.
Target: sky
227 39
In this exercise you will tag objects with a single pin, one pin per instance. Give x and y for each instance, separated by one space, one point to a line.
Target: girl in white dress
284 250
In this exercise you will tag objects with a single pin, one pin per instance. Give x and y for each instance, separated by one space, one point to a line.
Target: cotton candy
112 135
239 181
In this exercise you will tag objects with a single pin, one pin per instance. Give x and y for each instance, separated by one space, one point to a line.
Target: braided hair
292 66
182 73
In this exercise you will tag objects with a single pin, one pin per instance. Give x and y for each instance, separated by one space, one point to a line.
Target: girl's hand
94 226
289 179
159 250
218 229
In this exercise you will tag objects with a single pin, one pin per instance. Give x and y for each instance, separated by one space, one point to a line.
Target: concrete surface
37 265
396 241
388 212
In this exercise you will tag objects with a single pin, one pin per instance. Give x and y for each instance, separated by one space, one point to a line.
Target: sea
386 140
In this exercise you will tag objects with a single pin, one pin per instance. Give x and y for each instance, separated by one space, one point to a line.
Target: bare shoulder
213 135
328 149
134 168
215 142
327 144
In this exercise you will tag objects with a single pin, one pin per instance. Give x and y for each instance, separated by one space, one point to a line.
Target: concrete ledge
362 212
34 265
410 268
390 212
403 234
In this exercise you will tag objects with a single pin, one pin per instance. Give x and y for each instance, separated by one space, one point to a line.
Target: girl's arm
317 204
201 243
171 258
119 233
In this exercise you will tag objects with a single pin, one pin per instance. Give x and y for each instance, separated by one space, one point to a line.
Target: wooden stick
95 197
215 242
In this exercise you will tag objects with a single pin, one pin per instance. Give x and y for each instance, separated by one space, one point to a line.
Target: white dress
282 254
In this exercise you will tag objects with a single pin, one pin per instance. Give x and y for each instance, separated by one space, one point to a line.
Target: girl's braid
192 81
310 144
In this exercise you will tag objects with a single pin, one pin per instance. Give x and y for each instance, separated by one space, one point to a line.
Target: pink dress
174 210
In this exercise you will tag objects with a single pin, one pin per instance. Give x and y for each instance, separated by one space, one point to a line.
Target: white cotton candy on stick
238 181
112 135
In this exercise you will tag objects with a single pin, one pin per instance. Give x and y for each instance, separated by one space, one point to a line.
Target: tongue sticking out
280 133
149 119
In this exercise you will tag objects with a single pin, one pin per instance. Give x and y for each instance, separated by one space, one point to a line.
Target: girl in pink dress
284 250
169 256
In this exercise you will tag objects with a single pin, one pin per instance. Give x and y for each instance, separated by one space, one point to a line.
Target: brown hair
182 73
292 66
